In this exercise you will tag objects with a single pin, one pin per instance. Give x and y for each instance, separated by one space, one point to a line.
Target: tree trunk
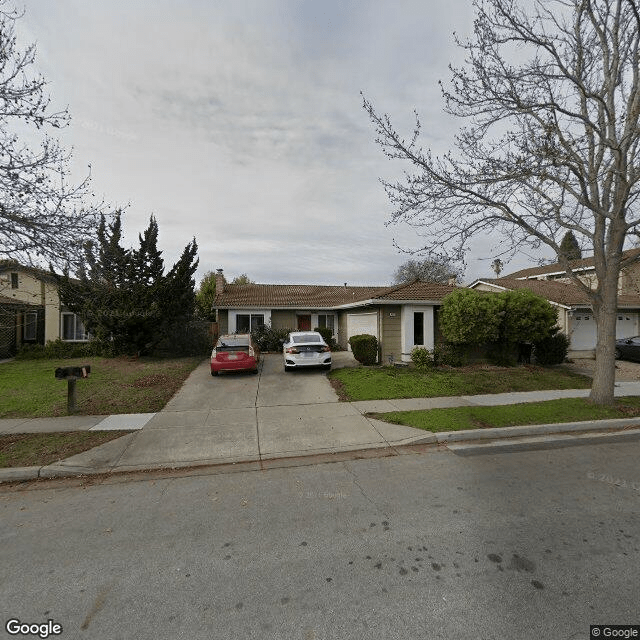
604 312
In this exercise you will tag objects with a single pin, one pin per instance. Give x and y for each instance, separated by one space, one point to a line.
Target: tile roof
417 290
584 263
297 296
565 293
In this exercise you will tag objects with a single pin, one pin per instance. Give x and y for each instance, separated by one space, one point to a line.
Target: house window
14 280
72 328
418 327
30 328
326 320
248 322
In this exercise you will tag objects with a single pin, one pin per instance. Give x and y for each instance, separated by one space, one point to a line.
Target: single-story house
30 309
401 317
575 314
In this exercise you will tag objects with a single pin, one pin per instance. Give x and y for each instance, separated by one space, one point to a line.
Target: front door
304 323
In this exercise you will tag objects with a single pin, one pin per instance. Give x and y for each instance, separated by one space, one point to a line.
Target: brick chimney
220 281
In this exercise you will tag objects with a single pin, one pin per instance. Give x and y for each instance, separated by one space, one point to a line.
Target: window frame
85 335
30 324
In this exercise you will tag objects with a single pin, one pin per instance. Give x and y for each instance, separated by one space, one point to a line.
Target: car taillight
213 354
251 351
293 350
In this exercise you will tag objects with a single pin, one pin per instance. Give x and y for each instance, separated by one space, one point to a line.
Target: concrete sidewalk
253 419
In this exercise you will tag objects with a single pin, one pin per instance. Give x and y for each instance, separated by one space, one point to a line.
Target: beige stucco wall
223 321
38 292
283 319
391 320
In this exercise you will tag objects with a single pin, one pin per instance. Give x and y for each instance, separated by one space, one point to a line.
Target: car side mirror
628 341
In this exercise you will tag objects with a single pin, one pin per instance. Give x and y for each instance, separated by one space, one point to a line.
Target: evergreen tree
569 247
205 296
122 295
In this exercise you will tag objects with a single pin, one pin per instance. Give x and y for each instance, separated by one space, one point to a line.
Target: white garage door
358 323
583 334
626 325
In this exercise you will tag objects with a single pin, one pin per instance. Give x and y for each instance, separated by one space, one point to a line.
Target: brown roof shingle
556 268
300 296
565 293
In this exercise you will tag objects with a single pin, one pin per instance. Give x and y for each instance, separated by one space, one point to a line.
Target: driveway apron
246 417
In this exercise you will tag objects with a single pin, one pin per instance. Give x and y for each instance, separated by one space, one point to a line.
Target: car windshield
307 337
233 341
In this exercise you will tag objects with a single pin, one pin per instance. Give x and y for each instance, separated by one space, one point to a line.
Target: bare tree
43 218
430 269
551 99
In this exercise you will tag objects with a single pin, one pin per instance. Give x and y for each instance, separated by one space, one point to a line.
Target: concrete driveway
246 417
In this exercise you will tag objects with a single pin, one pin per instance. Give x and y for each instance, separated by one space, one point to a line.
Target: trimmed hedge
365 348
551 350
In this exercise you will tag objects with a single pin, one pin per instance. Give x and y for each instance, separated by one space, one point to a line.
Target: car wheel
286 368
327 367
617 355
254 370
214 373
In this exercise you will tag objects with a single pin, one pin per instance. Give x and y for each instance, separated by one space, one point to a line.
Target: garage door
626 325
358 323
583 334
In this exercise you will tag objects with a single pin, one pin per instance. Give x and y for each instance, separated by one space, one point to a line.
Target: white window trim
233 313
315 321
86 337
406 331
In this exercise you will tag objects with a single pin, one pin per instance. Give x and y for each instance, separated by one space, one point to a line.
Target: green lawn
383 383
28 388
551 411
37 449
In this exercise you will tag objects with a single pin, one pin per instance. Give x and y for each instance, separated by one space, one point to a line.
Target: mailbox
68 373
71 374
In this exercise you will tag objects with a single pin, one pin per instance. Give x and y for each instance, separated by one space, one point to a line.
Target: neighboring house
401 317
628 282
575 315
30 310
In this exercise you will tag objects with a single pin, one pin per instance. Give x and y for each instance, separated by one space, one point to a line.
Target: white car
306 349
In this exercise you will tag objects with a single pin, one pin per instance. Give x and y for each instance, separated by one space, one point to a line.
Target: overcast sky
241 123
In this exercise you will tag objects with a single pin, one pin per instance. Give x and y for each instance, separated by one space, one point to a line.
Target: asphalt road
523 545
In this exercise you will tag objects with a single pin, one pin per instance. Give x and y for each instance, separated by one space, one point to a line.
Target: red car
235 352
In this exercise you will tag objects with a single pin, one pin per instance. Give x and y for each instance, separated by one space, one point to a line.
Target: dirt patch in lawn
39 449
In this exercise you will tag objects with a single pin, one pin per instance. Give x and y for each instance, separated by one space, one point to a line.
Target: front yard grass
28 388
385 383
550 411
39 449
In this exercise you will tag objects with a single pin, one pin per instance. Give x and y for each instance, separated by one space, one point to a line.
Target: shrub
502 354
269 339
365 348
58 349
551 350
452 355
327 336
191 338
422 358
470 317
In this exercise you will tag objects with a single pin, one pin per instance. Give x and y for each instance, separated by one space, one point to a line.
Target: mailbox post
71 374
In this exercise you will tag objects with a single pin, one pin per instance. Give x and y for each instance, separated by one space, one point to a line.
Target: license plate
232 357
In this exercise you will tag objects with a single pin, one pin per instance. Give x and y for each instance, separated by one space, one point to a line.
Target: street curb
535 430
470 442
555 441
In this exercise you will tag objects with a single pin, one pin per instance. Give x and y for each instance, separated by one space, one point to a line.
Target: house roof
12 265
563 293
300 296
576 265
